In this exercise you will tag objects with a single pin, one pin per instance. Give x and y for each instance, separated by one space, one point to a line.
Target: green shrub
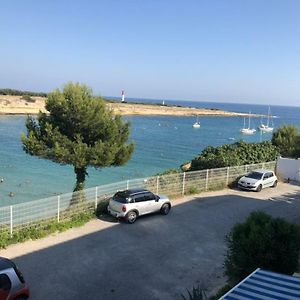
262 242
196 294
236 154
21 93
102 207
287 139
28 98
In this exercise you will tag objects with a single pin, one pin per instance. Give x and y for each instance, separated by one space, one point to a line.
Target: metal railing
65 206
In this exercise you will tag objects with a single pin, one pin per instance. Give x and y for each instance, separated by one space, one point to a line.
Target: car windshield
121 197
254 175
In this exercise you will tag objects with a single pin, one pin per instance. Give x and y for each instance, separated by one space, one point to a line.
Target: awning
265 285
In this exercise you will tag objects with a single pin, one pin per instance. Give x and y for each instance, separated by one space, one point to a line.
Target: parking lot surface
158 257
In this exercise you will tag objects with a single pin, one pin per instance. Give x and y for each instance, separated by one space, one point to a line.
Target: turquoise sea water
161 143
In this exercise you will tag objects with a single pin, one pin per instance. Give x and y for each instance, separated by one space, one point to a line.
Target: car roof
262 171
5 263
137 191
131 192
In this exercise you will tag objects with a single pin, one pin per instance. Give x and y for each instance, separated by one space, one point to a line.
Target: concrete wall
288 168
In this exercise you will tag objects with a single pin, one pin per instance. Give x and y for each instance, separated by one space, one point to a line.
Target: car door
265 181
268 179
271 178
152 203
140 203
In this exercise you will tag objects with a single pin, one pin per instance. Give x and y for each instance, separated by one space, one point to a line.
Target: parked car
258 180
132 203
12 283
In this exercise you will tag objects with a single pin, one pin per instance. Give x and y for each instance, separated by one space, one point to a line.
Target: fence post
11 221
127 185
206 180
263 165
227 176
246 168
58 207
183 183
96 198
157 184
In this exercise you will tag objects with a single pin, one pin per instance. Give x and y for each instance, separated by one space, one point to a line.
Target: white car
130 204
258 180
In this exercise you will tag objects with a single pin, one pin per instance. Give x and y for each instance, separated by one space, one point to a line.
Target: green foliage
236 154
80 131
39 230
262 242
169 172
287 139
192 190
21 93
222 291
102 207
28 98
196 294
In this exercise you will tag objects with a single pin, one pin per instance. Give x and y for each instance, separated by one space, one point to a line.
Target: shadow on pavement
158 257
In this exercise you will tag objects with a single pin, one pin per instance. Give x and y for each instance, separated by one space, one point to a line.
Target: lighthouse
123 96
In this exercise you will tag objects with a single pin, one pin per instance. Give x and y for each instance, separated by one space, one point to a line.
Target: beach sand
15 105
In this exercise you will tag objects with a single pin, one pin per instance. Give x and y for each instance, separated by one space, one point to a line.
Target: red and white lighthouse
123 96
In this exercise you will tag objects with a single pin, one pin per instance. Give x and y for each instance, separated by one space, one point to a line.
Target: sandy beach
15 105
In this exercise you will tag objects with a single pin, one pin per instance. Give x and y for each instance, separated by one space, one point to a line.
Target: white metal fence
63 207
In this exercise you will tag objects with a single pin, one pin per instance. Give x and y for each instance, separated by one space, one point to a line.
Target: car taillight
123 208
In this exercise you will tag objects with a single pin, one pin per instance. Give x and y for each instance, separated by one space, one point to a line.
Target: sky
242 51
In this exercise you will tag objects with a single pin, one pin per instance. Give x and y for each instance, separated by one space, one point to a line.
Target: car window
121 197
268 175
139 198
254 175
149 196
5 283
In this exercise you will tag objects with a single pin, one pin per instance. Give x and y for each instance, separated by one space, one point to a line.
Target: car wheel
22 298
275 184
165 209
131 217
259 188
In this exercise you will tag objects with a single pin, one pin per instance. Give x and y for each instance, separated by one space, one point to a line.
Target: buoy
10 194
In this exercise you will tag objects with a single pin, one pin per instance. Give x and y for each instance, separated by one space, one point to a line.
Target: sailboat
266 128
248 130
197 123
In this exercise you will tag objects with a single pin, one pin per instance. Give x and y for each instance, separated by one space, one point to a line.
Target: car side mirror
156 198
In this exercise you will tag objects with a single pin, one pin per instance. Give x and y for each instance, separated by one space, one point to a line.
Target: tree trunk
80 178
78 193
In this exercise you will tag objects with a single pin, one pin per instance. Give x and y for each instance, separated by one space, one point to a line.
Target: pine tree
79 130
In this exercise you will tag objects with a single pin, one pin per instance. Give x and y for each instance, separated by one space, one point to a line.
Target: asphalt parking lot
158 257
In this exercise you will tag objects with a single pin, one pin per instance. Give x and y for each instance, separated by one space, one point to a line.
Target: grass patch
39 230
193 190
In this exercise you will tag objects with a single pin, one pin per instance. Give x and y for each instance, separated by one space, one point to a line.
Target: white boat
197 123
249 130
266 128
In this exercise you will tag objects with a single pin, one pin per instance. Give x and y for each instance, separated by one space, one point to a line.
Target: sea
161 143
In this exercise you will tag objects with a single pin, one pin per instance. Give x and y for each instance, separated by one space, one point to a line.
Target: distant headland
13 102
